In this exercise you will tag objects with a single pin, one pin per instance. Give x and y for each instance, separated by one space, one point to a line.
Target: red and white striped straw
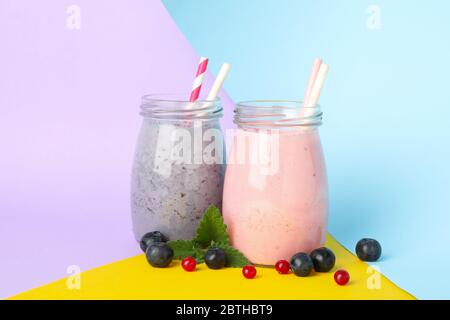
197 86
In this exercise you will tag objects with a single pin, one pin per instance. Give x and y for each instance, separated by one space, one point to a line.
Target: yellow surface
133 278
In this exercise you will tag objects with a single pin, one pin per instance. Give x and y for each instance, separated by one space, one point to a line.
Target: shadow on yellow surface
133 278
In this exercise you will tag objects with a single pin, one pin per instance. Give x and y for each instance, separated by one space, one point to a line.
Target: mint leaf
199 255
211 228
211 232
235 258
186 248
182 248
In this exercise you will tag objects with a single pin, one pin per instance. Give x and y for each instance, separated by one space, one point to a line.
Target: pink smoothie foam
273 215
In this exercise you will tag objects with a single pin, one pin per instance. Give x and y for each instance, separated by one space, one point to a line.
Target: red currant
341 277
283 267
249 272
189 264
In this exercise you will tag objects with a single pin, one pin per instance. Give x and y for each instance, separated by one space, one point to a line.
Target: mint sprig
211 232
235 258
211 229
185 248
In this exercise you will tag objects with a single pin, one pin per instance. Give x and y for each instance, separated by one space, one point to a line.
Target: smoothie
275 211
173 180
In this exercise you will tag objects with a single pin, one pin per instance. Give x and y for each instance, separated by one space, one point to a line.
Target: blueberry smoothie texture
173 178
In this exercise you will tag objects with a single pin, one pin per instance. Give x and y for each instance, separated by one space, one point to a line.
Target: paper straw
219 81
318 85
197 86
312 79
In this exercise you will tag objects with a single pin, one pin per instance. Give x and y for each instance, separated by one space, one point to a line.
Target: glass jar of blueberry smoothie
179 165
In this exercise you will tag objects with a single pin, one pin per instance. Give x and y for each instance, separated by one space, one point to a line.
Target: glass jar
275 195
178 166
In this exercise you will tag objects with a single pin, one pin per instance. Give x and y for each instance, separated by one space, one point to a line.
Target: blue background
386 111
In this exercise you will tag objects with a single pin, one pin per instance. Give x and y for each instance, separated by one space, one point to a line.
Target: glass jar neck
276 114
174 108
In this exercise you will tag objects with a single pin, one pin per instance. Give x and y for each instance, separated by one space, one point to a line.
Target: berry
249 271
341 277
301 264
159 254
151 237
215 258
282 267
323 259
189 264
368 250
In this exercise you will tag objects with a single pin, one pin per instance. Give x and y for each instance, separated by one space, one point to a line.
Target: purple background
68 124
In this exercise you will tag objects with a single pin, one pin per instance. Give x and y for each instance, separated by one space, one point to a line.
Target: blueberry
301 264
215 258
151 237
323 259
368 250
159 254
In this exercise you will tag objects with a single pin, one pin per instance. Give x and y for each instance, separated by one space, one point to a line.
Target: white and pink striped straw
312 79
197 86
315 84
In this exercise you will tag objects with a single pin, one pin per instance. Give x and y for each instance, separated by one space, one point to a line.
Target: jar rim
172 97
261 102
175 107
276 114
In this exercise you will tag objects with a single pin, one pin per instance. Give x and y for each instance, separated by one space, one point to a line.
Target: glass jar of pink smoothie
275 194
